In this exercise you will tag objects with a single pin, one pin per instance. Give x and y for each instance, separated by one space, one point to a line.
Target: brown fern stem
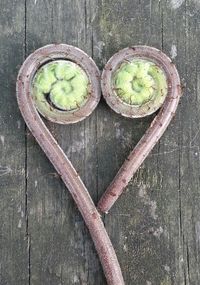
55 153
157 127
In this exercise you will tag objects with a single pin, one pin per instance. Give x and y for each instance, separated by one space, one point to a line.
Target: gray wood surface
155 226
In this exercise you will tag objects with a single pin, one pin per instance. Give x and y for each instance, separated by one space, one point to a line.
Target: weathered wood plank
183 32
132 222
155 225
13 239
61 249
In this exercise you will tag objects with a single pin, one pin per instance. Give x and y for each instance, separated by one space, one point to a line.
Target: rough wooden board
129 221
13 238
186 239
155 226
61 249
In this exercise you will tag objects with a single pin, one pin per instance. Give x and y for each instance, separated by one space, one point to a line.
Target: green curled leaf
45 79
139 81
131 68
61 70
80 81
64 83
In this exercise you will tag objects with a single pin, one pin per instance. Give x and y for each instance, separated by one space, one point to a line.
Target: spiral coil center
62 83
139 81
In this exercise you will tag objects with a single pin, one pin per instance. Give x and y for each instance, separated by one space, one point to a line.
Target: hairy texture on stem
157 127
59 159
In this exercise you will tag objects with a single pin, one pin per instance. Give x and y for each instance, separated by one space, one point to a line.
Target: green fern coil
63 83
139 81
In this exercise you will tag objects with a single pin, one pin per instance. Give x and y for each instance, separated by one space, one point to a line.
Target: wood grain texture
155 225
13 234
67 256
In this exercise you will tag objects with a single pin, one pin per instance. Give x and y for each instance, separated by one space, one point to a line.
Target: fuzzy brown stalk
157 127
57 157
